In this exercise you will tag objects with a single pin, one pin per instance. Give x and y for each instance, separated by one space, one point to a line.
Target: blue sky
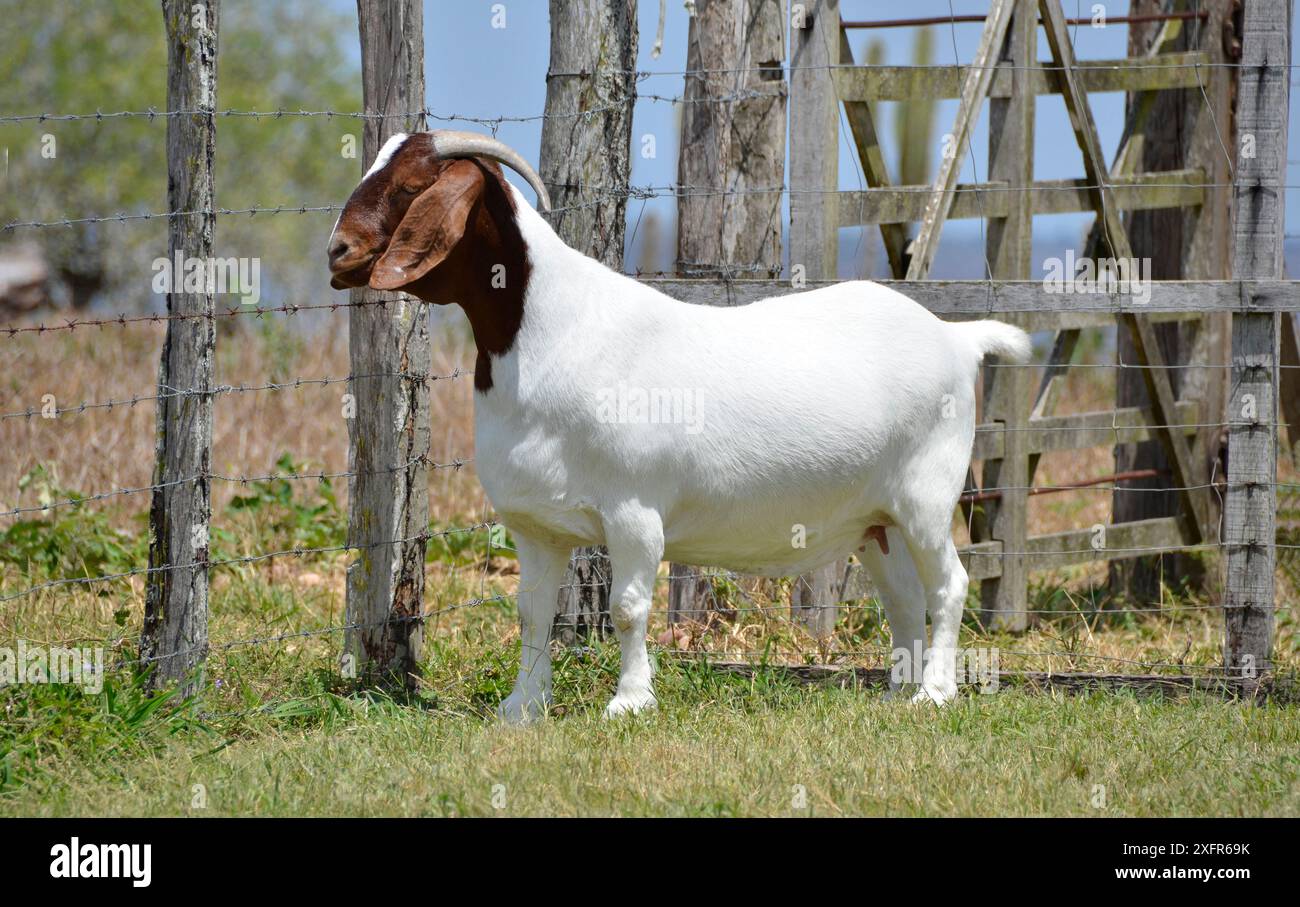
474 69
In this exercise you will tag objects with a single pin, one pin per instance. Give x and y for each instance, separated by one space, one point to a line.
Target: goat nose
338 250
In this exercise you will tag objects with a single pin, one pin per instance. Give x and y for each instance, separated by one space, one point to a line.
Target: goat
819 421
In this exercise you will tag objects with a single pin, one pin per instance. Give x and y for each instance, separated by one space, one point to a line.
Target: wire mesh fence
739 610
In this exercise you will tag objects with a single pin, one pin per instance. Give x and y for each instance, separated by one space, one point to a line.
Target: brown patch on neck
486 275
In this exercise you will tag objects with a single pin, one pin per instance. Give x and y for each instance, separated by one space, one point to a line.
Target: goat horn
449 143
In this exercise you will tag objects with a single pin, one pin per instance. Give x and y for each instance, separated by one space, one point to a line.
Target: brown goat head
424 194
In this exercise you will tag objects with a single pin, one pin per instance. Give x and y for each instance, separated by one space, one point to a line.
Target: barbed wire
603 194
786 613
395 620
782 612
256 311
969 552
868 603
152 113
1137 366
455 464
167 215
299 551
221 390
460 462
762 658
630 193
639 75
225 389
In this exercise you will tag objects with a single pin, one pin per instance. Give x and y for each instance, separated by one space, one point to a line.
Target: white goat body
828 410
815 416
769 438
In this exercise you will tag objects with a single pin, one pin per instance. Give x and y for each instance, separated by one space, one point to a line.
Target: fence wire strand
591 196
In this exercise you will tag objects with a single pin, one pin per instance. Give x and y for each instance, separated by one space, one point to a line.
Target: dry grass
103 449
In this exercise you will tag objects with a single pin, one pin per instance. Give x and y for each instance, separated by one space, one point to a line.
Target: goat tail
994 337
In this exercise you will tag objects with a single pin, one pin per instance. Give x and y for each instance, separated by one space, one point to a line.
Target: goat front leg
635 538
541 571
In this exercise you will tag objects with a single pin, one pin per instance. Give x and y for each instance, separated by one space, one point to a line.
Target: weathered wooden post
733 139
585 164
388 499
814 225
1263 97
175 634
1006 390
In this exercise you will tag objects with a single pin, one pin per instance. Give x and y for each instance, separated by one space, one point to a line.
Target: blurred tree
914 122
63 56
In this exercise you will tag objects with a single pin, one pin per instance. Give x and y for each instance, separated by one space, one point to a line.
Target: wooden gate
1225 199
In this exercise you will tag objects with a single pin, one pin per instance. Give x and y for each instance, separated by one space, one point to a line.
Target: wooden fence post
814 222
736 144
175 634
585 162
388 492
1250 507
1006 390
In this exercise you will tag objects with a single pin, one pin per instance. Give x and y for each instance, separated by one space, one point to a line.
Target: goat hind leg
945 581
635 540
900 592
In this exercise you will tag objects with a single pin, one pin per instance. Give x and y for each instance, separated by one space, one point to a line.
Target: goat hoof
939 695
518 709
631 704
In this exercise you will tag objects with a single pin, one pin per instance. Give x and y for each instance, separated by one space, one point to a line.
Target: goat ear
433 225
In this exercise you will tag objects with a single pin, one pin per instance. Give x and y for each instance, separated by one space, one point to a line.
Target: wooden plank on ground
847 676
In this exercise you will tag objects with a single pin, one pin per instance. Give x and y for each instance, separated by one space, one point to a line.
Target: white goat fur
835 410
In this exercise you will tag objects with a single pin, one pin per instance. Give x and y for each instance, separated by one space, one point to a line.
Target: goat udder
877 534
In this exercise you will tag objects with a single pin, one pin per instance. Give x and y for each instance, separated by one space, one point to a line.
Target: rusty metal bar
946 20
975 497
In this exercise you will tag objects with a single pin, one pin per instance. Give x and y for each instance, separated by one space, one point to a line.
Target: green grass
718 745
277 731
